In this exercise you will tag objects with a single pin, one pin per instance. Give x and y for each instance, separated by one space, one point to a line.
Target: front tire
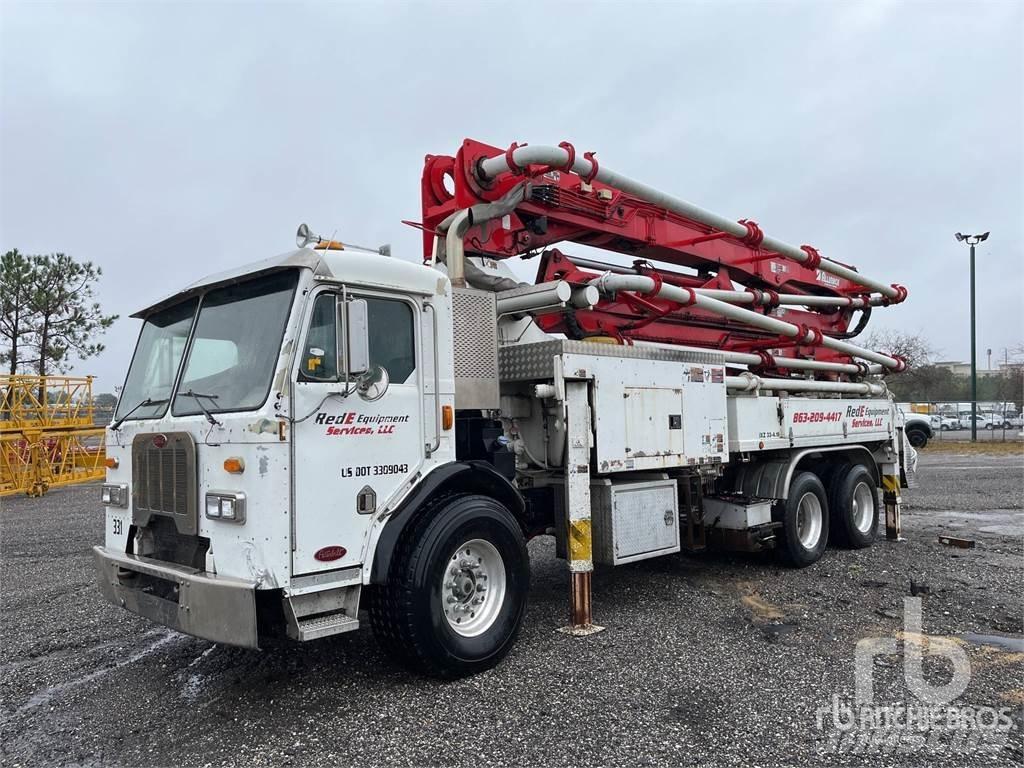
917 437
853 507
805 521
456 592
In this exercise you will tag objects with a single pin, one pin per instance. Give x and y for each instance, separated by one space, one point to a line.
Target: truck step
324 626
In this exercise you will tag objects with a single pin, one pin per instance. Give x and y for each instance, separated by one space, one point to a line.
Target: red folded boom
566 206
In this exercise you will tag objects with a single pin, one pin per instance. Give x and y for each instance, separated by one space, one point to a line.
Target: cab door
352 452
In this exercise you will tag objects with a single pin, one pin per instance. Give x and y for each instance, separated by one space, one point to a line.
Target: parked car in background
982 421
945 423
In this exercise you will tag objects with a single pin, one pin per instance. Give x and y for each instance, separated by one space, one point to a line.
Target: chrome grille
164 480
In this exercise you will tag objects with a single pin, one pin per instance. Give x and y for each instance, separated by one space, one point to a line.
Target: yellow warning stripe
580 547
891 483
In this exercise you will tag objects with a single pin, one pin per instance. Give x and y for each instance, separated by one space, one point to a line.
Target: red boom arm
563 206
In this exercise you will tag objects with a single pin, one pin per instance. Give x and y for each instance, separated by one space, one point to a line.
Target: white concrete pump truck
335 429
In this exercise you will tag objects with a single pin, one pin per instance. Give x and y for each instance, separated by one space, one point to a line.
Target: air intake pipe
451 251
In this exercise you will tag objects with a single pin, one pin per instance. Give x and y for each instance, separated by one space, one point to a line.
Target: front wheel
805 521
456 592
917 438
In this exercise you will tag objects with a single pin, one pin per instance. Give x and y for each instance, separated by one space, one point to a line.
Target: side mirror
372 385
353 319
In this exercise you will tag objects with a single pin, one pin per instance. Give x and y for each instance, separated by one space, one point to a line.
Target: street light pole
973 240
974 361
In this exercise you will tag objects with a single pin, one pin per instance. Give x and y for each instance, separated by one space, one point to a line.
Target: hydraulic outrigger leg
579 549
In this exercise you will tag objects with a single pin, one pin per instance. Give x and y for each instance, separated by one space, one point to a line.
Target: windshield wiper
195 396
147 401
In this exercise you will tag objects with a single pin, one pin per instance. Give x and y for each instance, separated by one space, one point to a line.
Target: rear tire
804 521
853 507
456 592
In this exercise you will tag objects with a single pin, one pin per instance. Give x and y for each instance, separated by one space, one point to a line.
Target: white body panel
654 414
772 423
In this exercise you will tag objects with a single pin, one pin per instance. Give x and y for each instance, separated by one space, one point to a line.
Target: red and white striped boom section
774 307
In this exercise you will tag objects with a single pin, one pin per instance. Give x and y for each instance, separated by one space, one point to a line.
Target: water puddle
1001 522
1004 642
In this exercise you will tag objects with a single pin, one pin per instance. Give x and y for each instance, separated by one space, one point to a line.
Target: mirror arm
343 336
342 347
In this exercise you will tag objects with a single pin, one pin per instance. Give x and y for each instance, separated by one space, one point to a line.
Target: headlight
212 506
223 505
114 494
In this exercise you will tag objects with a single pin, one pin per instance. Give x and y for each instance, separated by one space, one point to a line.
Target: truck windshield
235 345
230 360
155 364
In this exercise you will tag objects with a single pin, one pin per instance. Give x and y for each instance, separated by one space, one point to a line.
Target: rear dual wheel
853 504
805 521
847 512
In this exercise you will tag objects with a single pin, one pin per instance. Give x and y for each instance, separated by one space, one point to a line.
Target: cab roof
350 267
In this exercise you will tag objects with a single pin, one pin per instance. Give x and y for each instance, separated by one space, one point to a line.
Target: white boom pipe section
609 283
553 294
789 363
745 297
748 382
742 297
558 157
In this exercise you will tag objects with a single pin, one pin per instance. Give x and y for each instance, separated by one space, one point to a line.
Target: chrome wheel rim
863 507
808 520
473 587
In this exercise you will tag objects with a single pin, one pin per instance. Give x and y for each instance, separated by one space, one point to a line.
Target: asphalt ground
706 659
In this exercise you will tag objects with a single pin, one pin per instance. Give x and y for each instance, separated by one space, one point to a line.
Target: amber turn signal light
234 465
447 416
112 462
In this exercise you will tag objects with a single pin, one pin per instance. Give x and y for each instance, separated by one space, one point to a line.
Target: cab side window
392 337
320 356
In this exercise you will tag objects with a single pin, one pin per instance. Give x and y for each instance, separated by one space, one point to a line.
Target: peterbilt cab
300 383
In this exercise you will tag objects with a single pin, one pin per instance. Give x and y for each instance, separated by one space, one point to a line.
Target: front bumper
217 608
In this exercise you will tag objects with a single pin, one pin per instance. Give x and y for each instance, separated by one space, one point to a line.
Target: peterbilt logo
327 554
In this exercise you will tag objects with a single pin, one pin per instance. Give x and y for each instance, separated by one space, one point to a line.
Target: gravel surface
707 659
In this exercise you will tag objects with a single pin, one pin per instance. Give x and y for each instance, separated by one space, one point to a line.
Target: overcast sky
167 141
